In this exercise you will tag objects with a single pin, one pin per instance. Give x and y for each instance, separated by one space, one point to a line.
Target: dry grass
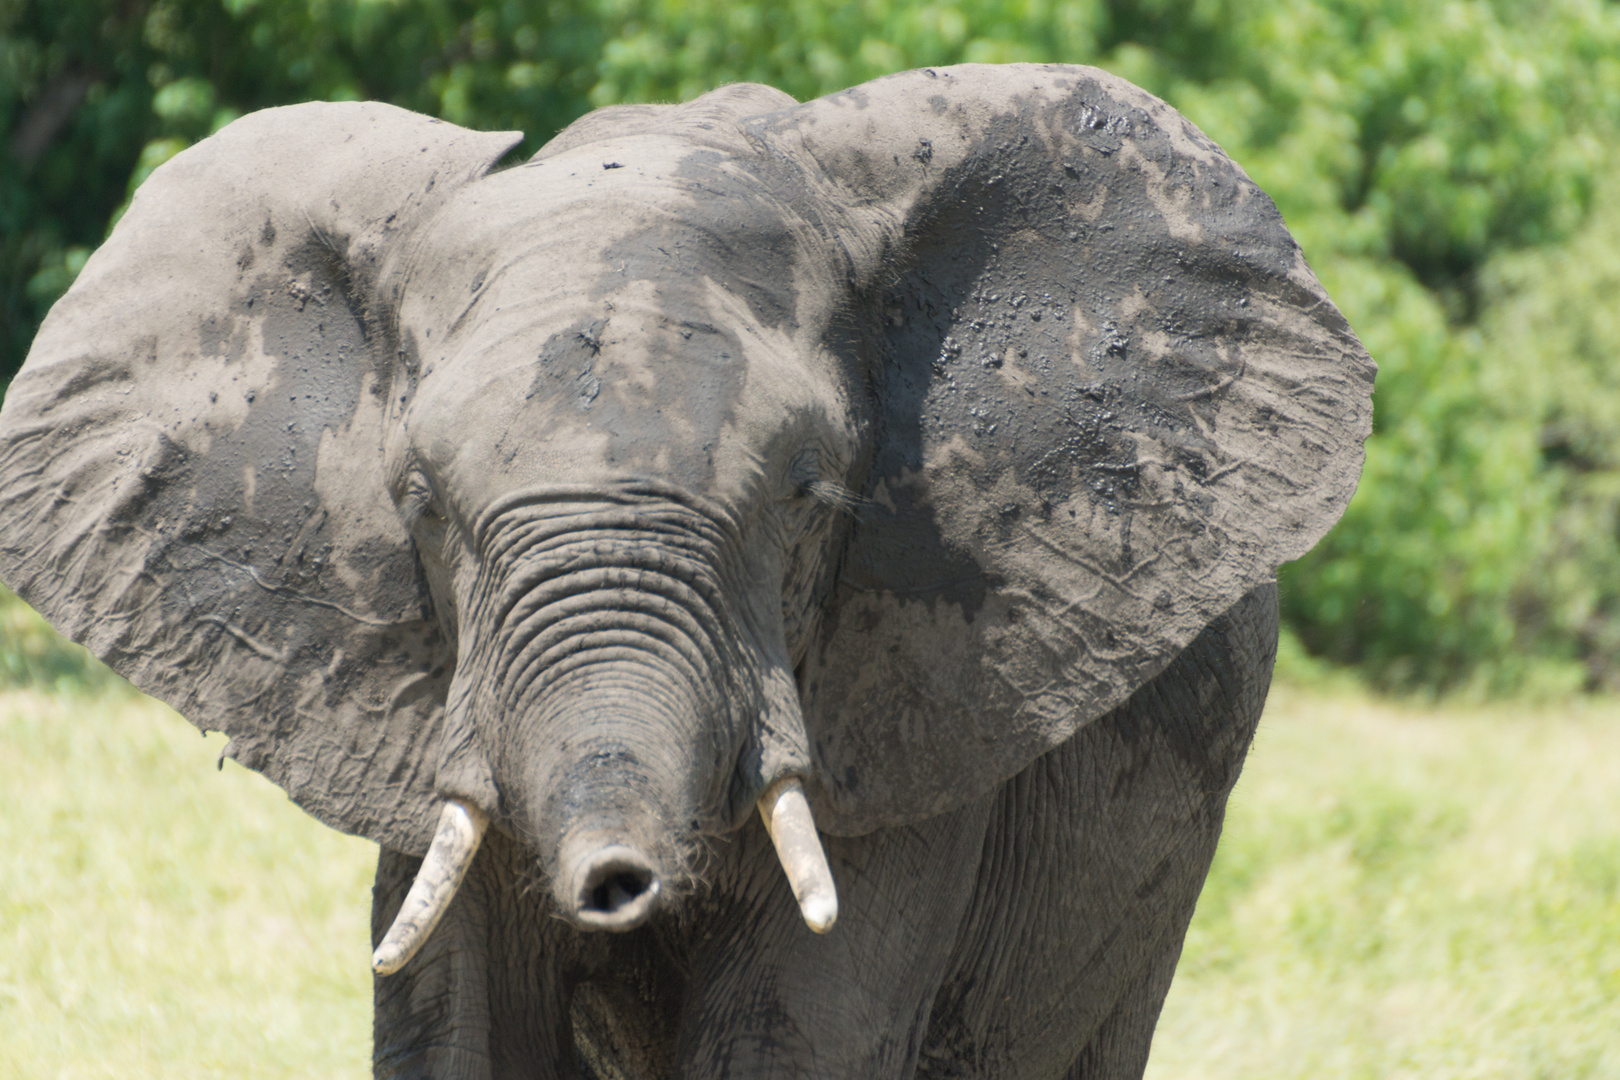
1401 893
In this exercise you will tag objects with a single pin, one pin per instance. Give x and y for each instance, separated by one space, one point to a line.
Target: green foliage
1420 583
1438 160
94 94
1553 322
673 49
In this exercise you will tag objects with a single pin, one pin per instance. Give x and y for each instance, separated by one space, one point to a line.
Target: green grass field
1401 893
1410 893
161 918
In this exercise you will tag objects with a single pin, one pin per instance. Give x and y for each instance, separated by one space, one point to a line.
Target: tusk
793 831
461 827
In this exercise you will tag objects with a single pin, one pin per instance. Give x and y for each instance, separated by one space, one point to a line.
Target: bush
1553 321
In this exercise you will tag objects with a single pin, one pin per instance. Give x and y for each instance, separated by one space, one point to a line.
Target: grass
1410 893
160 917
1401 893
32 654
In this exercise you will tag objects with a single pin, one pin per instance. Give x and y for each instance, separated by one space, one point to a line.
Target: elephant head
857 452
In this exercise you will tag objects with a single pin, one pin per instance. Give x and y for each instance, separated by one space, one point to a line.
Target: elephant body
741 517
1029 934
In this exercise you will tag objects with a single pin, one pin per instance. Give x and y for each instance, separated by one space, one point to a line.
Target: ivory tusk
787 818
461 828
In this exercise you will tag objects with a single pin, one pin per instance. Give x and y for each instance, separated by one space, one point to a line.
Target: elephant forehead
624 388
560 330
589 394
663 211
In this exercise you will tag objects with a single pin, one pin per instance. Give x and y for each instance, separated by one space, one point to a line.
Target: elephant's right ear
191 469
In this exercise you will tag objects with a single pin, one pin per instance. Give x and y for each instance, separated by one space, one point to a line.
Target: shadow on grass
33 655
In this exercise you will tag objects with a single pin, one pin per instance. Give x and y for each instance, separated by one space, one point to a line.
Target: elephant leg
484 997
768 998
1119 1049
1092 865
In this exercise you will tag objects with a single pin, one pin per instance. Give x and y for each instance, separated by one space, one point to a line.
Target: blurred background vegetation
1446 165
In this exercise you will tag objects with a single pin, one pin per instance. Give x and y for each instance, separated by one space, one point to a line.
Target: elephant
788 587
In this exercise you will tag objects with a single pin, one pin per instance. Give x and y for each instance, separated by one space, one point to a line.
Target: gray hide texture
1107 399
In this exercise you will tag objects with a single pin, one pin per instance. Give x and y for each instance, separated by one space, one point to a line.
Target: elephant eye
806 477
837 496
421 504
804 471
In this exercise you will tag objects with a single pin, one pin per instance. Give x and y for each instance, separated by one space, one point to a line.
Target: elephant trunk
615 696
606 884
614 691
613 817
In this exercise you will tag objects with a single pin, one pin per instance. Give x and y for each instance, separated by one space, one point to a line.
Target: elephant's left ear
191 459
1112 399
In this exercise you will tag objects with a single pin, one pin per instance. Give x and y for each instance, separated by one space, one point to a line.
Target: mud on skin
909 466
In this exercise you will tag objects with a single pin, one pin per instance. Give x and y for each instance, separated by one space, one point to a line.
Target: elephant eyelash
807 481
835 495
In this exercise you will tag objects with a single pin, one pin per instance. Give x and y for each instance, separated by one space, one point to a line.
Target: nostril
616 889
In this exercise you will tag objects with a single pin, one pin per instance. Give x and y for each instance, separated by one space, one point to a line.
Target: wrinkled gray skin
935 442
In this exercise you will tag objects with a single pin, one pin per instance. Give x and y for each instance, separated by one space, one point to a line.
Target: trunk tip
616 887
